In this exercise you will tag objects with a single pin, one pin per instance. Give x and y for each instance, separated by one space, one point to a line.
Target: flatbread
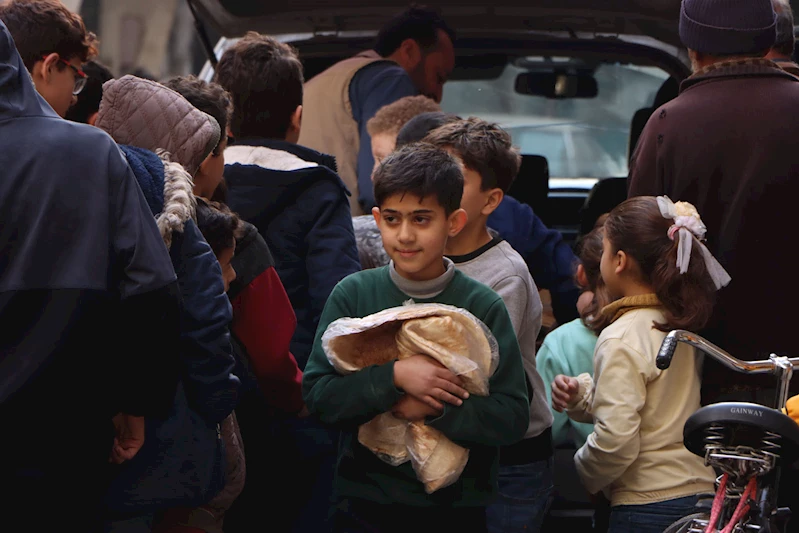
451 337
452 341
437 461
375 346
351 344
384 435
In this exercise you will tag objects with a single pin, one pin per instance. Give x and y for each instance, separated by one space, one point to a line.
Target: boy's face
474 200
477 203
228 273
382 145
415 232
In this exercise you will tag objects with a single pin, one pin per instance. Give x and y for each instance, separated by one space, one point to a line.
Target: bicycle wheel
683 525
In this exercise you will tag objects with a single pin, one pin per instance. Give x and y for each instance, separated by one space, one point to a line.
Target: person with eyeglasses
54 44
77 74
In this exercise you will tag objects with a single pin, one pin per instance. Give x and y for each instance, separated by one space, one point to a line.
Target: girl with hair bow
662 277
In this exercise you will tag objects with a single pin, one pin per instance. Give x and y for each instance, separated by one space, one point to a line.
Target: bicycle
748 443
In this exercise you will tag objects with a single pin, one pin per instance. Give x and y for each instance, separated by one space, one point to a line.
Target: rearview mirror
557 84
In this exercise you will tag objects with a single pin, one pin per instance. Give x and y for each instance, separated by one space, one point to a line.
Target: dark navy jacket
206 312
299 205
181 462
88 302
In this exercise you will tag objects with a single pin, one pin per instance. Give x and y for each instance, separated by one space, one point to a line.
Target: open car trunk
653 18
490 36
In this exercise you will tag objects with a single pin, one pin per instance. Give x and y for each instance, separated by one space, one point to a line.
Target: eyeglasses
80 76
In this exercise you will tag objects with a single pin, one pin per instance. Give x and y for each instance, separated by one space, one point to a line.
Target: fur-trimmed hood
167 187
299 206
275 173
143 113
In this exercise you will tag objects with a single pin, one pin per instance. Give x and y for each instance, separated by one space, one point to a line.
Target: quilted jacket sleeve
211 387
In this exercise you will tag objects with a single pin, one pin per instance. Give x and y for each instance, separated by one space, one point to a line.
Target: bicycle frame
780 366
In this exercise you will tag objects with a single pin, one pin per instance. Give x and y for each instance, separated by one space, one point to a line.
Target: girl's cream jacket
636 451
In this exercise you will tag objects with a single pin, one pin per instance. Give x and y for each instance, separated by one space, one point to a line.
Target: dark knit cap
728 27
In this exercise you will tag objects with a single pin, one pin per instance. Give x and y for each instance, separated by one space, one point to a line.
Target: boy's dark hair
89 98
421 170
264 78
218 224
208 97
42 27
419 23
419 126
484 147
637 227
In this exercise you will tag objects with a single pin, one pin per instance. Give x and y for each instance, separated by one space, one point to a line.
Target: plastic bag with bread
451 336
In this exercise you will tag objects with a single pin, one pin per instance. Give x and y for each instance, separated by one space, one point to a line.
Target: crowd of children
267 256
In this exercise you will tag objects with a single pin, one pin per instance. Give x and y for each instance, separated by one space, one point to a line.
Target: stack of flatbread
451 336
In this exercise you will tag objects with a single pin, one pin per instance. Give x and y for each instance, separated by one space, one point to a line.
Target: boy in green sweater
418 191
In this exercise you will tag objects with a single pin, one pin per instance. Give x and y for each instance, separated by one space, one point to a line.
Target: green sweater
481 424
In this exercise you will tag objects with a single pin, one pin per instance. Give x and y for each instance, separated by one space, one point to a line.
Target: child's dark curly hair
218 224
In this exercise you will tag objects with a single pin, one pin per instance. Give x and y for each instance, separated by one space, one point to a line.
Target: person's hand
129 437
411 409
564 392
428 381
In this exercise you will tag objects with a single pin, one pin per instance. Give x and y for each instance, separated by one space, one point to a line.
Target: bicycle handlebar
669 345
782 367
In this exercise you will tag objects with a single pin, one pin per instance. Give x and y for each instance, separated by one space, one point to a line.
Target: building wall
135 35
73 5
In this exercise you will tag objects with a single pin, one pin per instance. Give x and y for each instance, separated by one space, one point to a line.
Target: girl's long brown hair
637 228
589 250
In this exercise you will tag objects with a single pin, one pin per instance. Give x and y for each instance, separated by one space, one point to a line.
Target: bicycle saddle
742 424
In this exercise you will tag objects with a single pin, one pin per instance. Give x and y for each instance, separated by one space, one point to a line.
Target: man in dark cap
727 144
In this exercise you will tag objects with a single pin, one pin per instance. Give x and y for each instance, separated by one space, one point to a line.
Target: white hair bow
687 227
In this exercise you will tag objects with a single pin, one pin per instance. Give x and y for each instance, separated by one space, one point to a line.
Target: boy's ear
457 221
42 69
376 214
493 200
293 132
296 119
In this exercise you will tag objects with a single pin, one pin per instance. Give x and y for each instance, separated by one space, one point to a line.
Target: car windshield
580 137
